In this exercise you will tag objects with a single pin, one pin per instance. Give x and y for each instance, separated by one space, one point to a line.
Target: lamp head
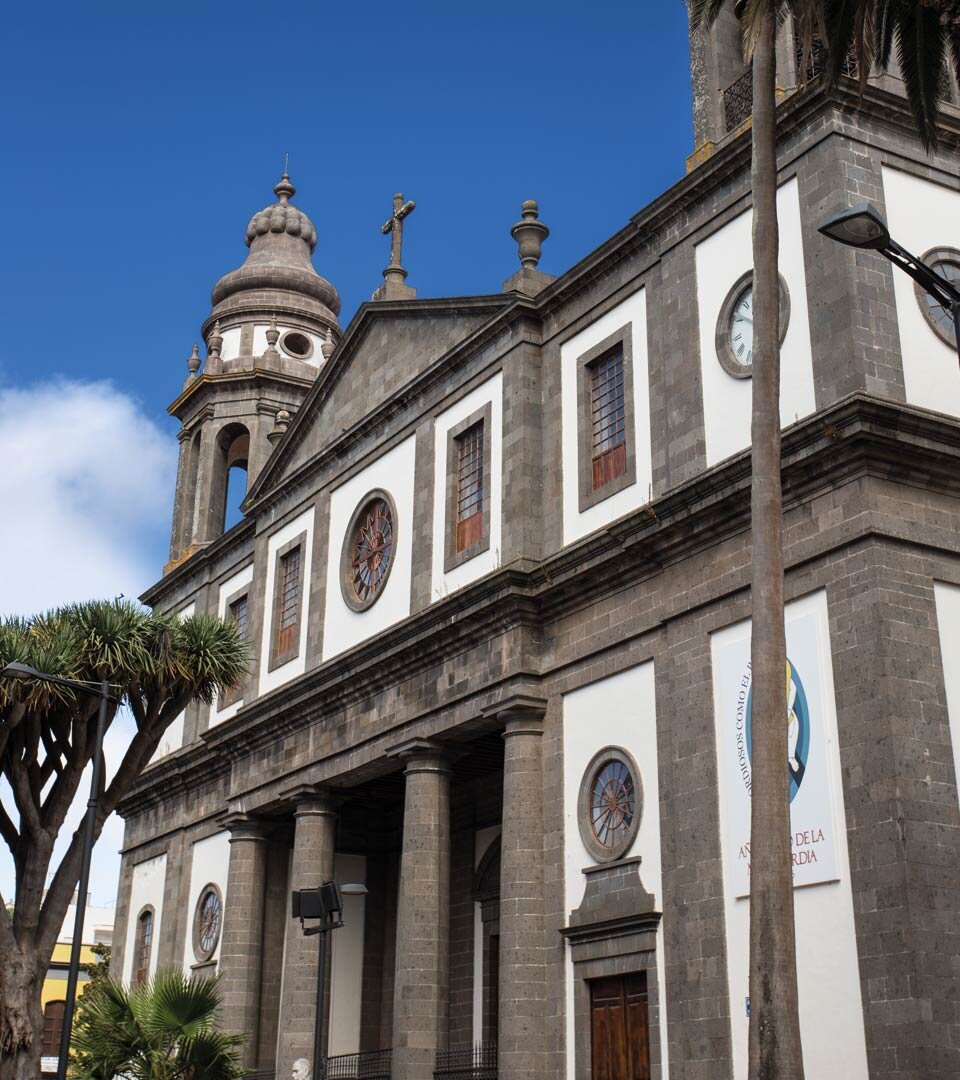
861 227
16 670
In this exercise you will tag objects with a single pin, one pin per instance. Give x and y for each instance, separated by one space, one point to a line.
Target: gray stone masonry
313 848
421 987
241 946
521 1052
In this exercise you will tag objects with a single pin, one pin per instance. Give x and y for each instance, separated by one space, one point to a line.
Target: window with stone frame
605 420
287 601
468 509
238 611
143 943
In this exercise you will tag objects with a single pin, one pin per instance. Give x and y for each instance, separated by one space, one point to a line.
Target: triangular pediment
388 346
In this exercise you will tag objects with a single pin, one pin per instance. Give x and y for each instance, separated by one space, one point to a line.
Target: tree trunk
21 1018
775 1051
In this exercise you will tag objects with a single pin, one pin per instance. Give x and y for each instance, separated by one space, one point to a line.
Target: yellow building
97 930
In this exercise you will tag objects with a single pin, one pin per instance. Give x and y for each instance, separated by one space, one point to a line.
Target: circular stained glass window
610 805
207 922
946 262
369 550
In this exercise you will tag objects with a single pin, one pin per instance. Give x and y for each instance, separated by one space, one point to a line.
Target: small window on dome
296 344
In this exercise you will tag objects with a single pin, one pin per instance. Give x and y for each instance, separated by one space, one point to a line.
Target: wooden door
619 1035
52 1028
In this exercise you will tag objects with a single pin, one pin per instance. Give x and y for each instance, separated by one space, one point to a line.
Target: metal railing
477 1062
370 1065
738 101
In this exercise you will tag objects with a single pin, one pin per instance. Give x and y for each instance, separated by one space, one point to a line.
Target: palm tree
924 34
161 1030
923 30
156 664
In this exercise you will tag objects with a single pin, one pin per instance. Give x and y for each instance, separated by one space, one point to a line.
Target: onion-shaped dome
281 239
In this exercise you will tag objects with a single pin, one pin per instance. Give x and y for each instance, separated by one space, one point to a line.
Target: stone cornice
859 435
198 390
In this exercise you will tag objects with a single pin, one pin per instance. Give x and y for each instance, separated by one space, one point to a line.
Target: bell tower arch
272 326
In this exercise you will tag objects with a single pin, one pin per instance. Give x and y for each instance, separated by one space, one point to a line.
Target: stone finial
193 363
529 233
273 336
215 342
284 190
328 345
280 425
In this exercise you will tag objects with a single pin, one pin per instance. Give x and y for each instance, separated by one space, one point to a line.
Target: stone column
421 988
241 948
521 1053
315 827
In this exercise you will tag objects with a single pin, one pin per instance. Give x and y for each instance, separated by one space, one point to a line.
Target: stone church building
493 567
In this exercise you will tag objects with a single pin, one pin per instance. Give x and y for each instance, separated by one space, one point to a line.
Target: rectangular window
288 607
606 434
470 494
468 488
237 612
608 416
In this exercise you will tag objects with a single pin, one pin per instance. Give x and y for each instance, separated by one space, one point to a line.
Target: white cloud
88 484
88 488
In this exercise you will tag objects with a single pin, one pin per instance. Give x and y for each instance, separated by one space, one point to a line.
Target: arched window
52 1028
142 945
230 475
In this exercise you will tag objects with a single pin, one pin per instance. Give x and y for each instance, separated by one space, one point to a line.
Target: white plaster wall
227 589
618 711
922 215
948 621
230 349
394 473
146 887
172 738
260 342
576 524
483 838
346 977
831 1009
210 864
721 259
270 680
492 392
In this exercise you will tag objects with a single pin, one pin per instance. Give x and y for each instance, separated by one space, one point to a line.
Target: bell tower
272 326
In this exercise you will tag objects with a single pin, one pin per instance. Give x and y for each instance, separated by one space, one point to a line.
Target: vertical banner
813 828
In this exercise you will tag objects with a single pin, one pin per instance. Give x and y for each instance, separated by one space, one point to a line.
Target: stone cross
395 225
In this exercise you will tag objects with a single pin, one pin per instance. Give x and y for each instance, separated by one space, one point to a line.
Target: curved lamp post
24 672
862 226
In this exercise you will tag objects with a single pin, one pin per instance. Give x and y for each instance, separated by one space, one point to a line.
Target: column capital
312 799
418 754
521 714
245 826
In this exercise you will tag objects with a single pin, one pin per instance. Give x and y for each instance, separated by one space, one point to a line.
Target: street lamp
324 903
16 670
862 226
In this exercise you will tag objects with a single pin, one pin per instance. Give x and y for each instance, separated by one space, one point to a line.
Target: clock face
741 329
208 919
372 550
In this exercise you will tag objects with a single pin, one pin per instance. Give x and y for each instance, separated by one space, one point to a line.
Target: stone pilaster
521 1053
241 948
315 828
421 987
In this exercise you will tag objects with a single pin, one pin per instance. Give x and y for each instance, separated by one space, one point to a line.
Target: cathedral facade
494 570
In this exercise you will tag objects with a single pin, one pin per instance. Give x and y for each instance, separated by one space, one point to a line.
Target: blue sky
138 141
